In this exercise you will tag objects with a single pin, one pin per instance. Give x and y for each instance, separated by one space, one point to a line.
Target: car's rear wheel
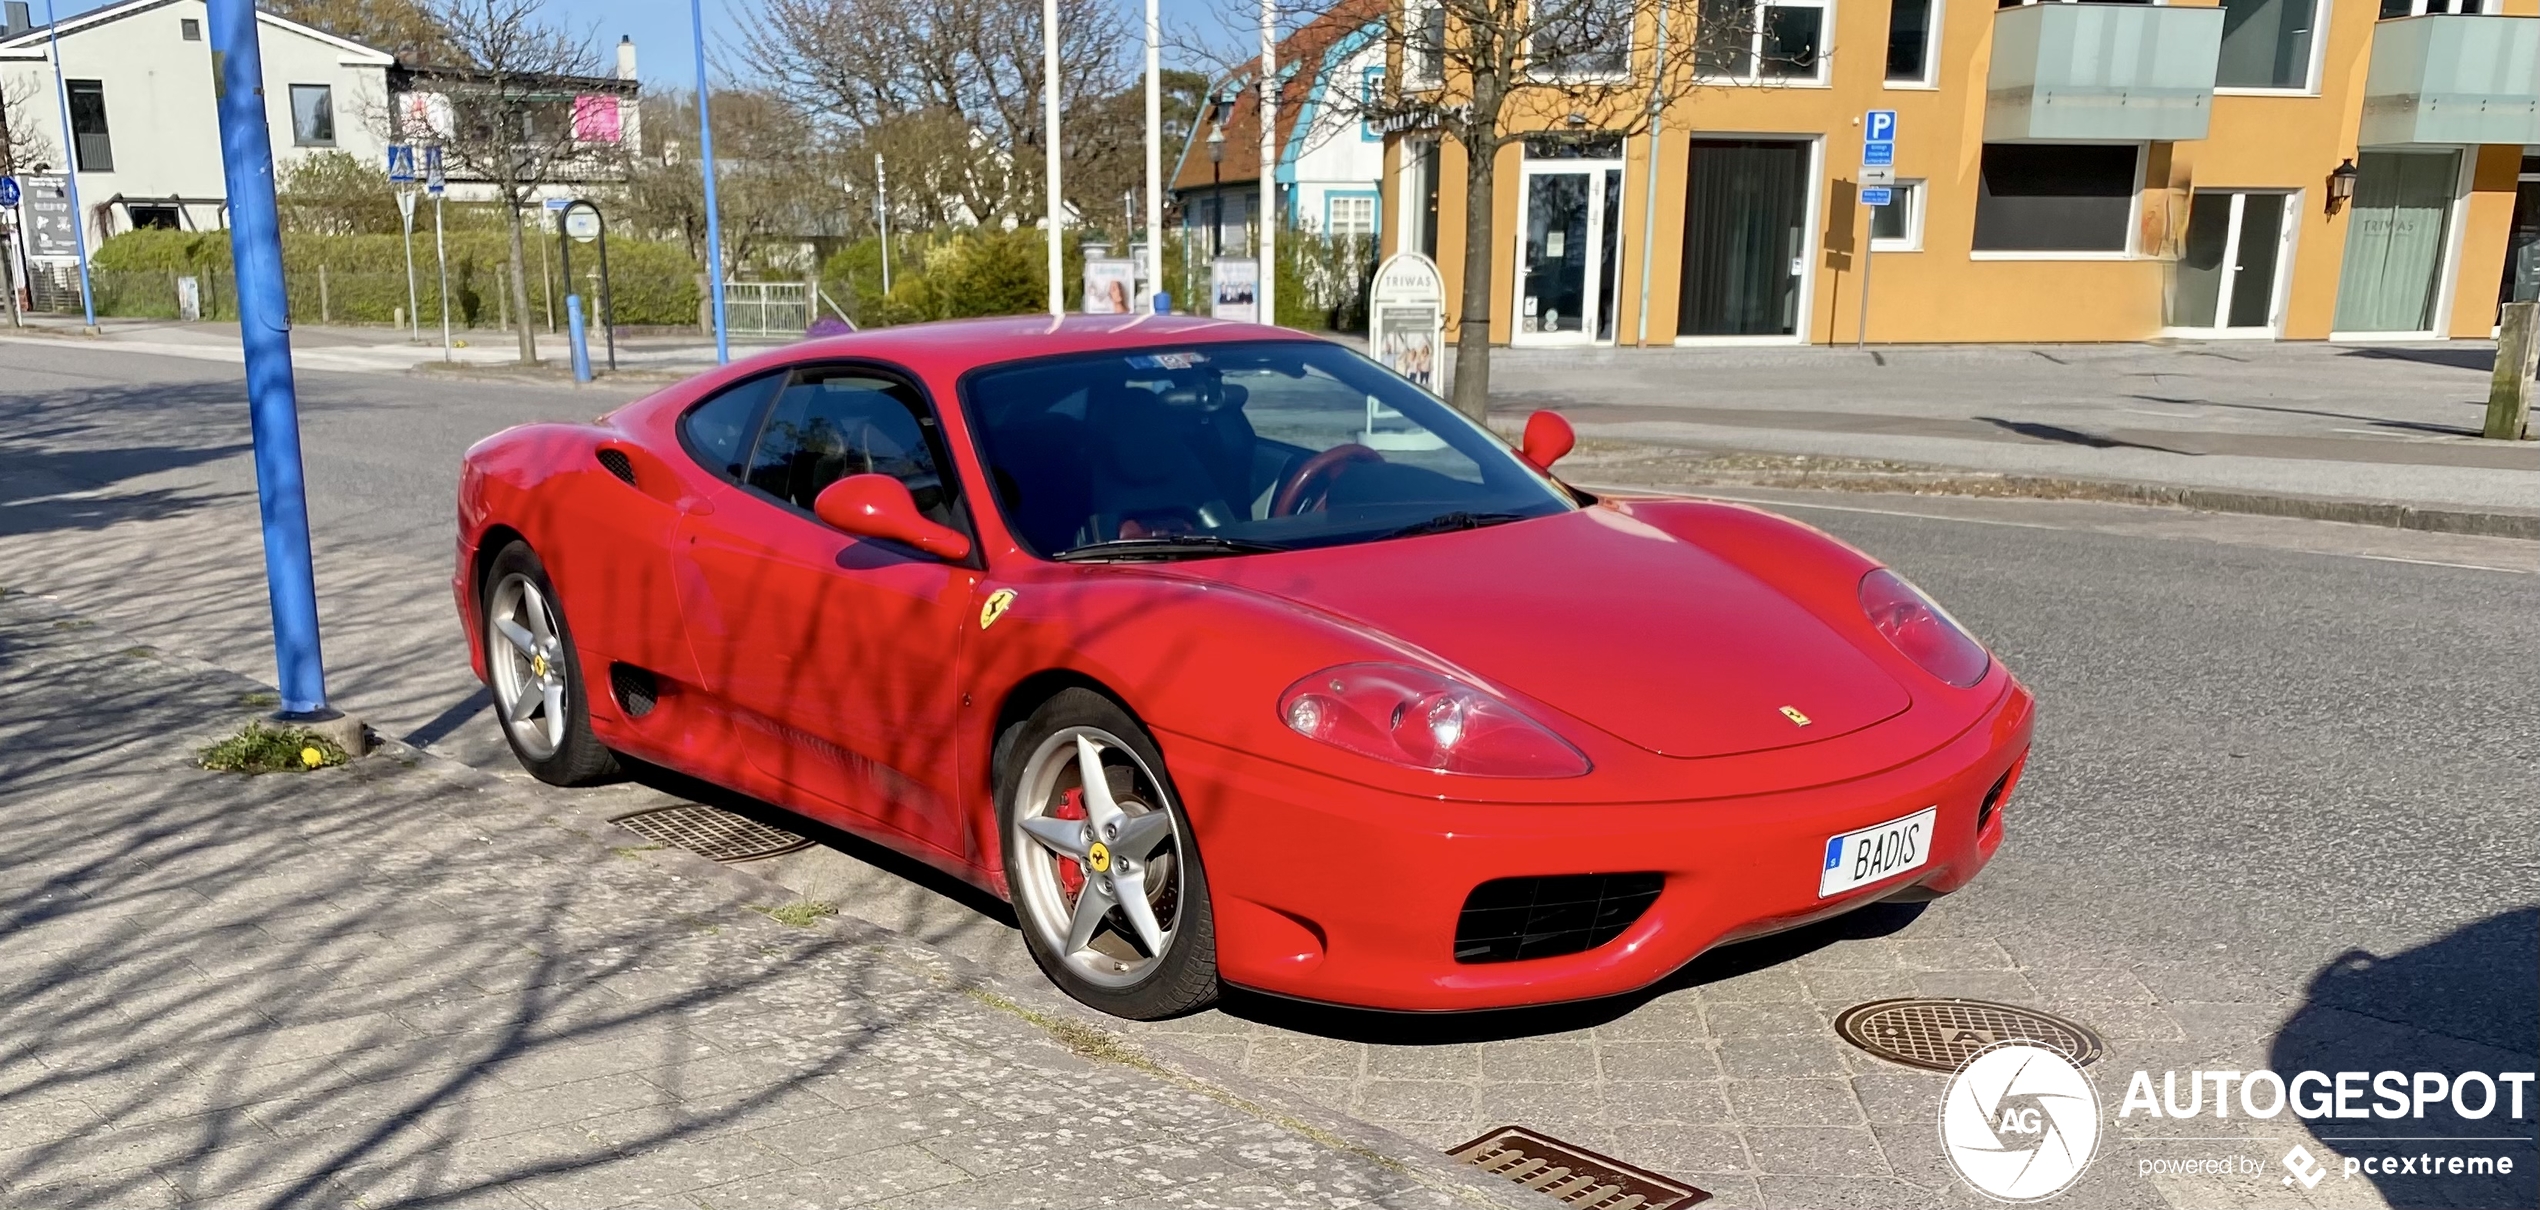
1105 874
540 697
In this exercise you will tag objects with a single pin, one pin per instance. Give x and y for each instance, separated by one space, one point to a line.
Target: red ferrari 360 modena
1230 657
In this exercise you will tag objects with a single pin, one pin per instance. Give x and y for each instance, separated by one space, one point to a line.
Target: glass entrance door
1567 252
2395 241
2227 274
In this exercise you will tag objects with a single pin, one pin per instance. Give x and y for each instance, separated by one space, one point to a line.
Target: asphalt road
2270 753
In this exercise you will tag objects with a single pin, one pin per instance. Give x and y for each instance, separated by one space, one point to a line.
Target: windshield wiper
1164 546
1446 522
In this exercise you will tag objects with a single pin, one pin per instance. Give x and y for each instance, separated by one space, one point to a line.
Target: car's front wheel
1105 875
540 694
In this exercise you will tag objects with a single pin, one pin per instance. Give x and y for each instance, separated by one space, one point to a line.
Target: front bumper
1330 891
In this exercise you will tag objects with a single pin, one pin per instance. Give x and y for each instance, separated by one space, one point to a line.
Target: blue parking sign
1879 126
8 192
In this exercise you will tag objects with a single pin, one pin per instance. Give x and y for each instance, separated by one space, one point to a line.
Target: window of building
1910 34
2039 197
1426 61
313 115
189 29
1419 213
2266 44
1762 39
94 151
1898 225
1371 95
1582 39
2419 8
1351 214
2025 3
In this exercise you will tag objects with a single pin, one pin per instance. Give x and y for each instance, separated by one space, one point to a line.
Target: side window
717 432
829 424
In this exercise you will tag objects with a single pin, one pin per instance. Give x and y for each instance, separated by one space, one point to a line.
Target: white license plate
1857 859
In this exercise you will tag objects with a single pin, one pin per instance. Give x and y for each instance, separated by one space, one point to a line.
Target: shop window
1762 39
1910 32
2039 197
2267 44
1898 225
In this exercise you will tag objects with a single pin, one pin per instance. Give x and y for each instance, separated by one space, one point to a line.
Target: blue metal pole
70 165
705 151
579 338
264 328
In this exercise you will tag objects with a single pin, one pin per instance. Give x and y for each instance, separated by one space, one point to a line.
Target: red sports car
1229 657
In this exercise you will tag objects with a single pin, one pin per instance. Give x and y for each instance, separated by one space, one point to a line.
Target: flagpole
1049 140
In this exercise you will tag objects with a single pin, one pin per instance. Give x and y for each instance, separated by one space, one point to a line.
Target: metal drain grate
1942 1035
711 832
1573 1176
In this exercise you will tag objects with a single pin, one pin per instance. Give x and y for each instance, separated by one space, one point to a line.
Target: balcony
2101 73
2453 79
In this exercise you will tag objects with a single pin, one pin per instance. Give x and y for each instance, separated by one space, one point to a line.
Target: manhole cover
1943 1034
1573 1176
711 832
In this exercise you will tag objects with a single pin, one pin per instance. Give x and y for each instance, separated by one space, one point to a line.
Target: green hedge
365 277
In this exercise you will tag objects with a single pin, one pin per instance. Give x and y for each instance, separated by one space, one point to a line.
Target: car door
836 657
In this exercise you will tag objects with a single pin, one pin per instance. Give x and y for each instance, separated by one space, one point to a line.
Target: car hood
1619 624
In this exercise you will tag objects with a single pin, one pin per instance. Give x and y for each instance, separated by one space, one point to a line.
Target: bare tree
1488 73
22 145
866 65
511 95
404 28
778 178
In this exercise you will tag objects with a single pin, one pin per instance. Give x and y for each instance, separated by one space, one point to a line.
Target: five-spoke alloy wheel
535 675
1105 876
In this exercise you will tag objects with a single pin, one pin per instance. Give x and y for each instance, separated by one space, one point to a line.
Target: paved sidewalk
2298 419
401 983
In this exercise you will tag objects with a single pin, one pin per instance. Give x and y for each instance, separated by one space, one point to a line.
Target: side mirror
879 506
1548 437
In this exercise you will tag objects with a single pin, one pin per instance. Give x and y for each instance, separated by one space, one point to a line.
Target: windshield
1225 449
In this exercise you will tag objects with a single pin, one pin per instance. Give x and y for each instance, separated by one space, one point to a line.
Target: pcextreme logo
2020 1121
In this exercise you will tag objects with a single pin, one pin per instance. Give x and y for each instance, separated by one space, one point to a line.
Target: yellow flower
312 757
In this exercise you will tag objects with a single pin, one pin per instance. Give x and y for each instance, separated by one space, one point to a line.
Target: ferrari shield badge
995 606
1796 718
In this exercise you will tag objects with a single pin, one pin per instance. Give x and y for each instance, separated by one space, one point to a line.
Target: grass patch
75 624
138 653
258 748
800 914
259 700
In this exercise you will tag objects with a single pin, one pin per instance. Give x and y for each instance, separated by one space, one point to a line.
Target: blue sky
664 46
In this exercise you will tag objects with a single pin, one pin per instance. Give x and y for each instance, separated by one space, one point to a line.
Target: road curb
1070 1025
2315 508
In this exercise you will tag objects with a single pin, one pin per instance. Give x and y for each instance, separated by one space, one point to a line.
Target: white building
146 137
1330 165
145 129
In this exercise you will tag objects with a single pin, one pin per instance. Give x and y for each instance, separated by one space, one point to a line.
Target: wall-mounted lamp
2341 185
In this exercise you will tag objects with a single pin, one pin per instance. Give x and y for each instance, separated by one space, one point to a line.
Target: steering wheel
1309 489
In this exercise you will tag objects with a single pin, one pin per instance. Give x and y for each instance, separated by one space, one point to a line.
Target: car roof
955 346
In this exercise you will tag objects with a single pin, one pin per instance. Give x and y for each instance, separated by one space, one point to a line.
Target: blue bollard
264 329
581 339
1163 302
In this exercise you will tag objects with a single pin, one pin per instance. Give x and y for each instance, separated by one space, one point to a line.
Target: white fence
767 308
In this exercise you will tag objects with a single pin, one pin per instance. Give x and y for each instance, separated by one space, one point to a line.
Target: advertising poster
1235 284
1111 283
1406 318
47 207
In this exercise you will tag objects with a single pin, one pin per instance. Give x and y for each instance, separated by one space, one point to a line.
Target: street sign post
406 217
70 174
1878 175
579 220
435 185
264 329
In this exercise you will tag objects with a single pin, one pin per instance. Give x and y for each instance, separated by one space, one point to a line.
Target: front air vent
1993 798
1511 919
619 464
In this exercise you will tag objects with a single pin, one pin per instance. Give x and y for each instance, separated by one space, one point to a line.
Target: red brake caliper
1071 874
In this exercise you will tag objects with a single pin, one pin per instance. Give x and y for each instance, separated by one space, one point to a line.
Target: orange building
2286 169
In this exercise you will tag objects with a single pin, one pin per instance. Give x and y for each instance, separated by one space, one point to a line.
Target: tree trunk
522 323
1472 319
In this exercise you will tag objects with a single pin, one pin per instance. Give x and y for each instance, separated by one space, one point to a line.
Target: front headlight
1416 718
1922 629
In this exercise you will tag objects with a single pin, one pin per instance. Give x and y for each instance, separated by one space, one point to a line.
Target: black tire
1183 978
566 755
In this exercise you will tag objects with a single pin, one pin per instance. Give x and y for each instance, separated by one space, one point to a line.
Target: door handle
696 506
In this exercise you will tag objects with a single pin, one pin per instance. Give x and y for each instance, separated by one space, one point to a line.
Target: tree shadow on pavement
1439 1029
2064 436
2467 1001
2481 360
